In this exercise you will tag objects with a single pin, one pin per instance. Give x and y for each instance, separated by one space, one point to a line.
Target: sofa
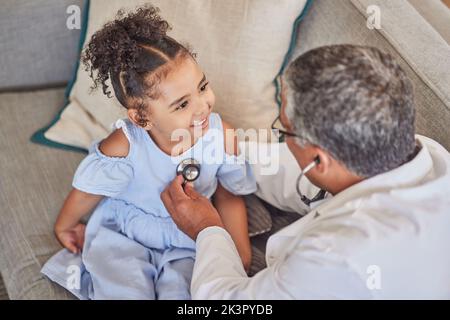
37 61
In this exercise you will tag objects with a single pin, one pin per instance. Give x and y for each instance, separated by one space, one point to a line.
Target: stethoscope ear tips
317 159
189 169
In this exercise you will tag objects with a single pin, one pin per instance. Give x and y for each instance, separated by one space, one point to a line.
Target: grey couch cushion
34 182
3 293
37 47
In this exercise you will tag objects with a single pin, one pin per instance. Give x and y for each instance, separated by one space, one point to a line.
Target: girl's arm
68 229
232 208
233 213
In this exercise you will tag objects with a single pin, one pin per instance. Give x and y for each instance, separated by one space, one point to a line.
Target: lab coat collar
407 174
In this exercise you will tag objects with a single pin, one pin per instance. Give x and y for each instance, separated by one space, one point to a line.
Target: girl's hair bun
117 51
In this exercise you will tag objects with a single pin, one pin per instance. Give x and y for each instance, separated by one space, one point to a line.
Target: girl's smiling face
185 101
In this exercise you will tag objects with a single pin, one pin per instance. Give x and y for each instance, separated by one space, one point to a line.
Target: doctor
383 231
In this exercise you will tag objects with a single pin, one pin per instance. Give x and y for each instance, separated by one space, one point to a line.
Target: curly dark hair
134 51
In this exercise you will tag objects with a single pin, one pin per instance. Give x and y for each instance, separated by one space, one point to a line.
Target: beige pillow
240 44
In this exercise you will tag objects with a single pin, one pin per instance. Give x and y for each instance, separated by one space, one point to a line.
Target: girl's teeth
199 123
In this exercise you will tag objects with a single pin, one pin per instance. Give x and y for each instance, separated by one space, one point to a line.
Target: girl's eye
203 88
182 106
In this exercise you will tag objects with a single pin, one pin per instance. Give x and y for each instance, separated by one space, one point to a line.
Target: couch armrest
422 47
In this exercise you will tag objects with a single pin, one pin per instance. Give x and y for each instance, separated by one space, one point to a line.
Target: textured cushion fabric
280 219
259 220
436 13
240 44
33 185
428 74
37 47
3 292
421 46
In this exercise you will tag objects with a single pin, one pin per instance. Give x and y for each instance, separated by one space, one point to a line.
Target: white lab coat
387 237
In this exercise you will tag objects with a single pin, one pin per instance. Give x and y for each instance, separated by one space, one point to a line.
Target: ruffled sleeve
103 175
236 175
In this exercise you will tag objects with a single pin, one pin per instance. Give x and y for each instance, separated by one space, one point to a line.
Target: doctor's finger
176 190
191 192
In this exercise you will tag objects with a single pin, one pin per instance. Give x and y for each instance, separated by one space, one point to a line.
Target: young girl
131 248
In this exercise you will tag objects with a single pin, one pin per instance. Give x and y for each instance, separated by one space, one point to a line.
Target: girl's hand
73 238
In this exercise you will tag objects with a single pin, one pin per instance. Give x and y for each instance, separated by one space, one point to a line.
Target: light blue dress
133 249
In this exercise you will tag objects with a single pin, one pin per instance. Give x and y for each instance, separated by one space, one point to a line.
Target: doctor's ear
323 161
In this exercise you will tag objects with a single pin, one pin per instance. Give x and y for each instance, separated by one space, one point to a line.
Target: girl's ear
134 117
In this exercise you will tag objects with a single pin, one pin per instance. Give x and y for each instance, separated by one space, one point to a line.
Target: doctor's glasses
280 131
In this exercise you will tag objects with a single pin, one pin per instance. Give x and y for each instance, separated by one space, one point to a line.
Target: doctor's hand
190 211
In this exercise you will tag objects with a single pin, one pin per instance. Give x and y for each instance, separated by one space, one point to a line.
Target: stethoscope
320 195
190 170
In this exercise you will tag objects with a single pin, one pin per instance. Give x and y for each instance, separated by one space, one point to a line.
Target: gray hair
354 102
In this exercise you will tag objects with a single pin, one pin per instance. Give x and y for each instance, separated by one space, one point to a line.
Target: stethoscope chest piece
189 169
